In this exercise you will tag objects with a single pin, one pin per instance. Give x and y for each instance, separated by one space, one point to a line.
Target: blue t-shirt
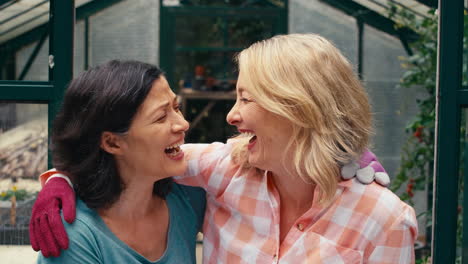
91 241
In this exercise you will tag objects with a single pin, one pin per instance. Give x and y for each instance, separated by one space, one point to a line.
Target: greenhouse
410 56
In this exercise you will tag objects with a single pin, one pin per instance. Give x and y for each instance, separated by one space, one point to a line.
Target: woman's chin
172 169
179 169
254 162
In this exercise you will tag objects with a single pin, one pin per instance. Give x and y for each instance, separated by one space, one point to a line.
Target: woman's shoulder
371 219
83 245
86 221
189 202
186 192
375 202
372 192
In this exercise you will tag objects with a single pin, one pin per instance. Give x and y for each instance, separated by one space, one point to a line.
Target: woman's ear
111 143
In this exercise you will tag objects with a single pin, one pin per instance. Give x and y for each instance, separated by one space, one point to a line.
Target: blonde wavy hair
305 79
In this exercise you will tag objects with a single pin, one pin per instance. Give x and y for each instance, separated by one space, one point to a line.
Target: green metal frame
23 12
168 49
431 3
360 46
33 56
7 3
375 20
363 16
451 98
370 17
61 48
61 22
26 91
82 12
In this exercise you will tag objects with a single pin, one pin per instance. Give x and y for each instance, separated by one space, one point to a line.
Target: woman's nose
233 117
181 125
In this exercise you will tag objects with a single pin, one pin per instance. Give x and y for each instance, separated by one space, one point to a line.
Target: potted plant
15 208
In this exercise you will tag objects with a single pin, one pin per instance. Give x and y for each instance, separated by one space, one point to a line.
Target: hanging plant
417 157
418 151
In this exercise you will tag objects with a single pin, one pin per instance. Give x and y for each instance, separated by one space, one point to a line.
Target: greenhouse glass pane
38 69
23 140
462 224
17 19
23 156
217 65
199 31
382 56
79 55
315 16
127 30
462 248
224 3
465 47
243 32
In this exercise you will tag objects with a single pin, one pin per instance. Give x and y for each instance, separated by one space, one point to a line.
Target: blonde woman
275 194
278 196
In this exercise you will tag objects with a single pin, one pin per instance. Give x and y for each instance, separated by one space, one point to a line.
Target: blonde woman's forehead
241 91
241 83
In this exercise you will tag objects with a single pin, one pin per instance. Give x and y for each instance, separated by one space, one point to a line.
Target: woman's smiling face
151 146
270 133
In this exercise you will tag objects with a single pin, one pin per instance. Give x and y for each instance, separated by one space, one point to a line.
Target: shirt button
300 226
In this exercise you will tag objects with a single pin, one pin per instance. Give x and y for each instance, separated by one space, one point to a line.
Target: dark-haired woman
118 135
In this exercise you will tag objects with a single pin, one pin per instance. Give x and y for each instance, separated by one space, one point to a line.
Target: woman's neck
140 219
134 205
293 190
296 198
136 200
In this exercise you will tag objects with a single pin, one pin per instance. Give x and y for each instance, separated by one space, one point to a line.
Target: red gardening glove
366 171
46 230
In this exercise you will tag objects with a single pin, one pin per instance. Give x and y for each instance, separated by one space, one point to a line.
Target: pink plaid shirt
363 224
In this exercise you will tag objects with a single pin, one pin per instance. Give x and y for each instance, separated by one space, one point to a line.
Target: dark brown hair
103 98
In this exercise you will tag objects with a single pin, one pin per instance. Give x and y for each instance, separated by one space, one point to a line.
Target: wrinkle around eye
160 119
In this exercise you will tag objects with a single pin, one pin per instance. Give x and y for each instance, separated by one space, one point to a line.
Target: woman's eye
160 119
244 100
177 107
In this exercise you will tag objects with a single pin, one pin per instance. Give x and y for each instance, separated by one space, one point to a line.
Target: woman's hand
46 230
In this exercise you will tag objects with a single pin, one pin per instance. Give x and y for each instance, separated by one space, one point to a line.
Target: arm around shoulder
206 161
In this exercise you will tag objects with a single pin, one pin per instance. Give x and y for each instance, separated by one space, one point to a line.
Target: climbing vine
417 157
